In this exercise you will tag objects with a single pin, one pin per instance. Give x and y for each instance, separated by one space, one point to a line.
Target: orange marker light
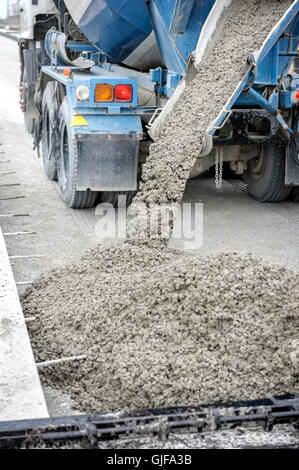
103 92
123 93
67 72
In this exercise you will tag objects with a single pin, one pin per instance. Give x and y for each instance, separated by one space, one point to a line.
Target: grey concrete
59 403
21 394
163 329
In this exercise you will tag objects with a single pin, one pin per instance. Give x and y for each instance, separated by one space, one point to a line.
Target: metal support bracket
261 101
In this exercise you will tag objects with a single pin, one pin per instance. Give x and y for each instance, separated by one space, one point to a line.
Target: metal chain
218 167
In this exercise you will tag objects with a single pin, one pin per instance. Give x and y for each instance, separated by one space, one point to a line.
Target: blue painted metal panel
177 25
102 118
116 27
267 71
110 125
91 80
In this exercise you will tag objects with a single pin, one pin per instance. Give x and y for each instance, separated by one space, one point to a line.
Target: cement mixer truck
98 79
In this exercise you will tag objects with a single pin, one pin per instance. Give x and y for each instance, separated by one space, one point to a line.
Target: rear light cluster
108 93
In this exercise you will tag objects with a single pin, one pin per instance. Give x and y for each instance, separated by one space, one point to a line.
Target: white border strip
21 394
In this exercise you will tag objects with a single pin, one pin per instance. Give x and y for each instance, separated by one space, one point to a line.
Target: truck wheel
50 131
67 166
27 99
265 175
294 196
112 197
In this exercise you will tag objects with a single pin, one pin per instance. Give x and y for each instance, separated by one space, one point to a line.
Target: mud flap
107 163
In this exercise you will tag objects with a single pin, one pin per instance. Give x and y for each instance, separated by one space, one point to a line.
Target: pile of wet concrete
165 329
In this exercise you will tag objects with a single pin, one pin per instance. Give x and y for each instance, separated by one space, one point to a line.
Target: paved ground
232 221
235 222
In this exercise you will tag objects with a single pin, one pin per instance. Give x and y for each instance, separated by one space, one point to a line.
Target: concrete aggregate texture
163 329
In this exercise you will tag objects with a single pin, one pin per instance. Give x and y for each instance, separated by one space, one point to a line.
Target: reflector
123 93
82 93
67 72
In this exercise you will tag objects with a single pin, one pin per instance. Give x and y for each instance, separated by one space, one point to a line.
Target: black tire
67 165
50 130
294 146
28 104
29 123
265 175
112 197
294 195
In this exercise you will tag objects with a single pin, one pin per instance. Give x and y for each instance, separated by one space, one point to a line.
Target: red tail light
296 95
123 93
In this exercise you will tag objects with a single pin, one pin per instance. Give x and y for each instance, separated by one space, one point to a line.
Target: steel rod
12 234
11 197
29 319
14 215
6 185
60 361
25 256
